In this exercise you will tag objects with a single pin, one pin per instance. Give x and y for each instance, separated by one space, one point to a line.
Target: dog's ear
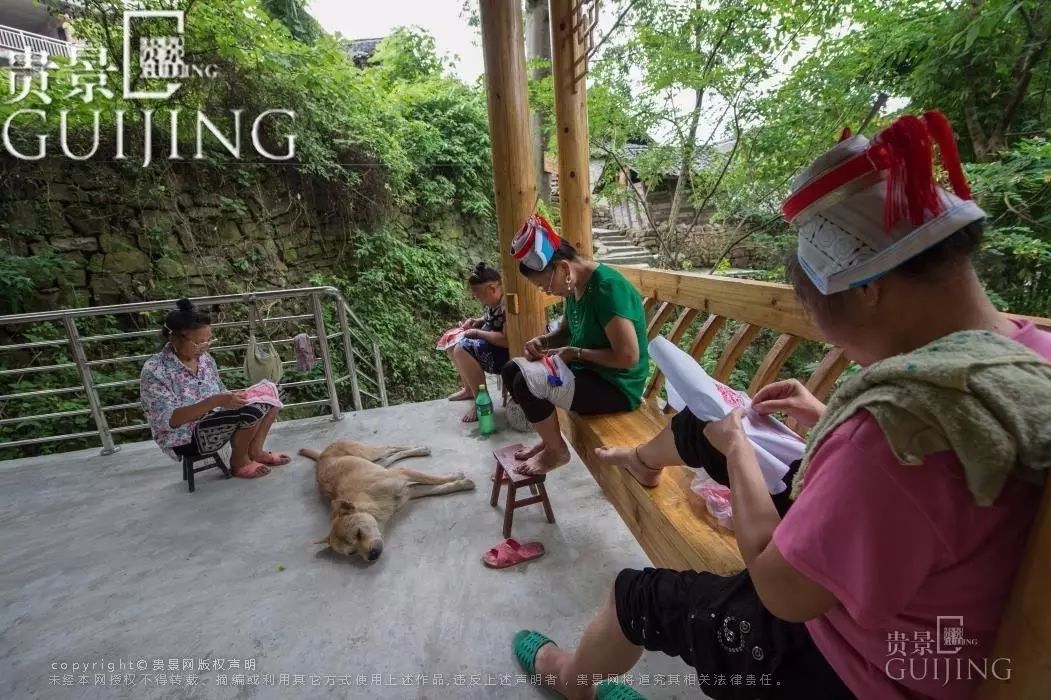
342 507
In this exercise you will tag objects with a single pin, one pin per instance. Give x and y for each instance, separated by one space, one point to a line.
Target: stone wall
125 234
707 240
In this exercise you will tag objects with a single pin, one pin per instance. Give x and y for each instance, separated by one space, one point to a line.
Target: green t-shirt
606 295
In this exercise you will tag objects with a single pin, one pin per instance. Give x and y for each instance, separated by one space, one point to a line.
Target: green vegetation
401 146
781 79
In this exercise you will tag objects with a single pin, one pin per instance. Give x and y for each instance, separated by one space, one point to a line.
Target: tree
718 53
293 14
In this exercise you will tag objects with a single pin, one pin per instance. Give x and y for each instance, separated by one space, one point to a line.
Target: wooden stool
505 474
214 462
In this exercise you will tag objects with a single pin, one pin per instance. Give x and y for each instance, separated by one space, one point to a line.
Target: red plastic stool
505 474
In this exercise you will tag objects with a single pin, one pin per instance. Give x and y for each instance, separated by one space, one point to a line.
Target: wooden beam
514 183
705 335
571 126
1024 639
762 304
677 332
773 362
659 319
733 351
824 377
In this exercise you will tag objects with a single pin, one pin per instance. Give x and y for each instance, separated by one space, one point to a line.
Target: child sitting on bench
483 347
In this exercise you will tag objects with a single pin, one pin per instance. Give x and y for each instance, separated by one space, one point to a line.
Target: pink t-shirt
899 547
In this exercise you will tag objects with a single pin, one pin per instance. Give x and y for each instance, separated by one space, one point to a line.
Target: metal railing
360 348
19 40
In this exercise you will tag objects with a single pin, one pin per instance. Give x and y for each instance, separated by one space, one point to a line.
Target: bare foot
251 470
628 458
548 459
523 455
550 660
461 395
471 416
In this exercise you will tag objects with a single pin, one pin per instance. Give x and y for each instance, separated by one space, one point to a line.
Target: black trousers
593 394
717 624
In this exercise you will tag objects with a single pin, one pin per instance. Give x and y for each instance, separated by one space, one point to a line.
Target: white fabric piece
689 386
535 374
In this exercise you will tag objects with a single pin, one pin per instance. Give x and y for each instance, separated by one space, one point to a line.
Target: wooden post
571 123
514 183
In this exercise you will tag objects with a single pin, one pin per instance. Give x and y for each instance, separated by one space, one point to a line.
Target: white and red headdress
535 243
863 208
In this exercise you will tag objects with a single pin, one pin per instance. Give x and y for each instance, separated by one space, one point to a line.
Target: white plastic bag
716 498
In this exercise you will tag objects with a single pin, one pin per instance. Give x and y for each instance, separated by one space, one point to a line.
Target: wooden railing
675 533
756 306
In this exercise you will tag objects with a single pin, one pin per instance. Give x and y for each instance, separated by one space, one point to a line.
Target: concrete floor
109 559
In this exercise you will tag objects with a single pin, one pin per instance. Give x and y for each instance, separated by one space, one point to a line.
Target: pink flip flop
252 470
272 459
510 552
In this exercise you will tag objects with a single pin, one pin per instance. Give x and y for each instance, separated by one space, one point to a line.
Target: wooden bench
673 527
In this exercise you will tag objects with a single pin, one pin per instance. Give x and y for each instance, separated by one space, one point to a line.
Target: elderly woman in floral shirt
188 408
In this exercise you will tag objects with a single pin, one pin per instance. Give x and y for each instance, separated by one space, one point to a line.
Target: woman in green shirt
602 338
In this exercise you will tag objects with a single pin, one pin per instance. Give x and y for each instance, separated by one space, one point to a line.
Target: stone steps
613 246
626 258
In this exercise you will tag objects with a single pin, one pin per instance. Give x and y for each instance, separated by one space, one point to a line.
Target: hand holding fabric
534 349
791 398
728 433
229 400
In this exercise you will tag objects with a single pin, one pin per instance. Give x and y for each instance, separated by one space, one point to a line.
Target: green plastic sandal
527 644
608 690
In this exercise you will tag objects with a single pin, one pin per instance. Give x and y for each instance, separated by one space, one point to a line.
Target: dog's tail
312 454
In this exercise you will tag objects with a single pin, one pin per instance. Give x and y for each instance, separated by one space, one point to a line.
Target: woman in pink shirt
880 579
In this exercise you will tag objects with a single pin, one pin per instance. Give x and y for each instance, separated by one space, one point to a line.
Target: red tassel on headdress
845 134
911 190
941 131
905 151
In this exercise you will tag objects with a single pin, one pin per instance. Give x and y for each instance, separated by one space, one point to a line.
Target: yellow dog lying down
365 494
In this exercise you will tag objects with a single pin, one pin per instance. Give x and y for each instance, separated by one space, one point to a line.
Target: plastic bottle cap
481 387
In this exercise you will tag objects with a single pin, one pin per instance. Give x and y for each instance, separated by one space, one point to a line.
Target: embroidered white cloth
536 374
688 385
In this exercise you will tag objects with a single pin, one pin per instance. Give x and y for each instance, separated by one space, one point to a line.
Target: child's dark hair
482 274
185 317
565 251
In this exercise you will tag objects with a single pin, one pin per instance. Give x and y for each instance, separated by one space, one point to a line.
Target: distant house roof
702 157
361 50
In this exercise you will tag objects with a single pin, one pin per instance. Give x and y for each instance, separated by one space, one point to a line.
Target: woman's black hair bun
184 305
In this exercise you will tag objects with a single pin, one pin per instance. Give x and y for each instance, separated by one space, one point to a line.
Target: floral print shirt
493 318
166 384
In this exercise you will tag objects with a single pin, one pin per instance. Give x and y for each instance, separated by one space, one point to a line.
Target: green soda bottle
484 405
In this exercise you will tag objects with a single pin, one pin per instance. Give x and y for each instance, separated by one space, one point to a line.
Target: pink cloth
264 392
900 546
303 347
451 337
